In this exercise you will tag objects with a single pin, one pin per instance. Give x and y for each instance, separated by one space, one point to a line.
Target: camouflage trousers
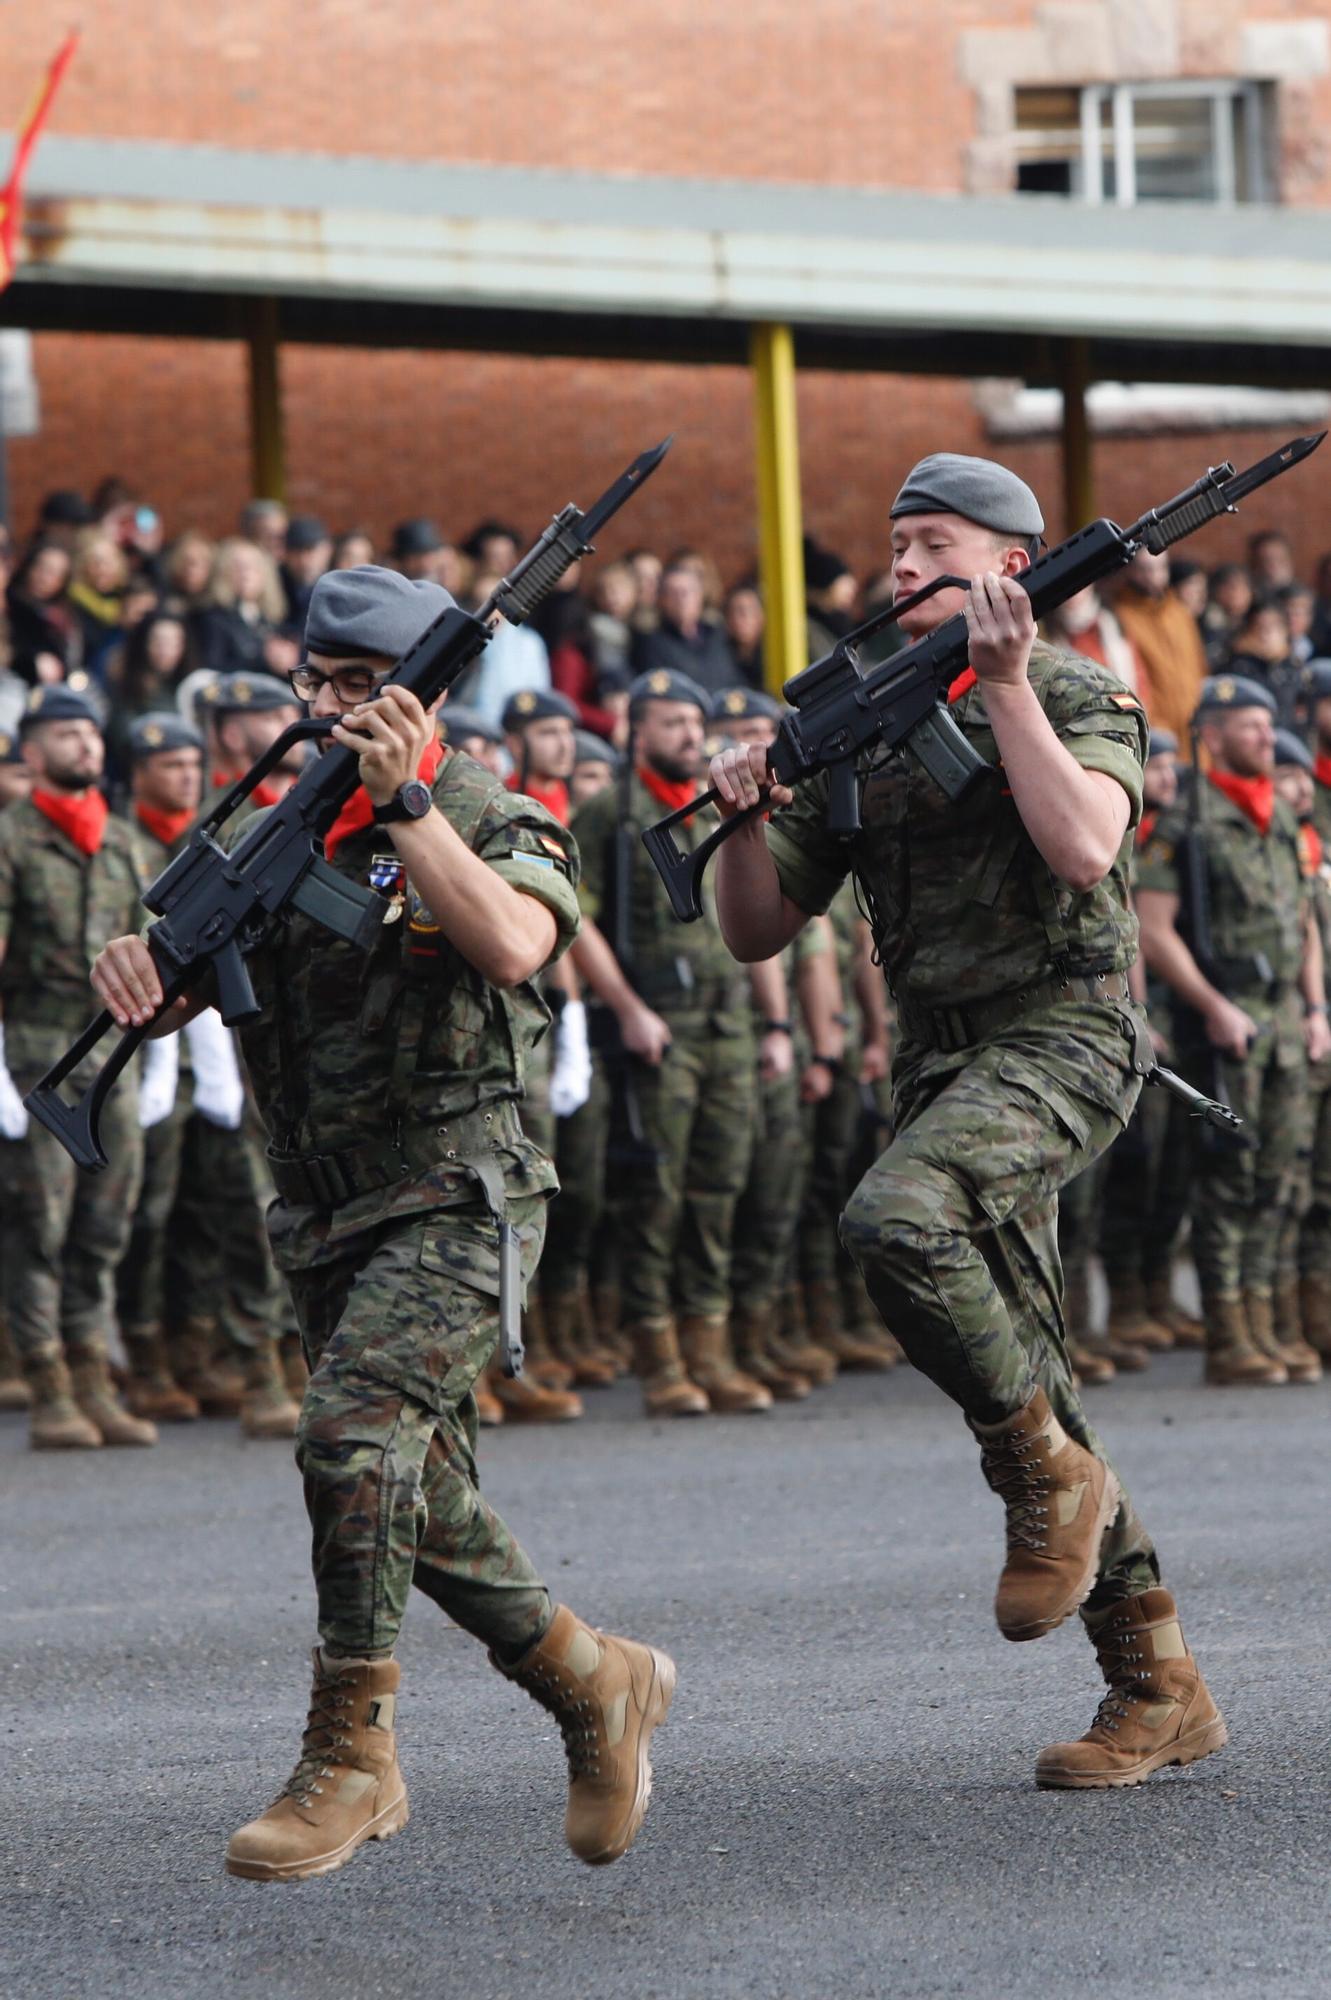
834 1127
398 1321
218 1262
678 1216
1144 1197
141 1279
955 1226
1306 1239
1243 1194
580 1159
63 1232
769 1207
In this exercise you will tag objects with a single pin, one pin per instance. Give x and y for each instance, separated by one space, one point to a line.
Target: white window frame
1222 93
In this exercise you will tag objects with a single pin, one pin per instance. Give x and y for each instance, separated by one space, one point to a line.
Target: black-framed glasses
349 684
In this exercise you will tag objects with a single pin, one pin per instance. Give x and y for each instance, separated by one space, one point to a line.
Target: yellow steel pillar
1074 379
781 535
267 455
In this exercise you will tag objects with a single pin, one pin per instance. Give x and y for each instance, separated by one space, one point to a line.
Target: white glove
571 1081
157 1085
13 1117
219 1094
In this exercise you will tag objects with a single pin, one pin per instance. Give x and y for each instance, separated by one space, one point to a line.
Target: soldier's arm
767 982
871 998
1312 985
644 1033
757 918
1166 952
126 981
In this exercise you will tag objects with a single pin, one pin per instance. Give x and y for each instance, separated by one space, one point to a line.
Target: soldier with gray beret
389 1089
1003 927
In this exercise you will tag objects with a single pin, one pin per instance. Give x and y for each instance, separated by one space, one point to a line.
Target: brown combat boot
1187 1329
152 1391
1129 1323
607 1695
1315 1311
1232 1359
295 1368
1302 1362
55 1421
489 1409
793 1345
705 1347
822 1304
1060 1498
1092 1364
526 1402
217 1385
666 1389
750 1333
568 1337
1090 1367
95 1395
611 1334
347 1787
1157 1710
268 1410
542 1366
15 1393
611 1347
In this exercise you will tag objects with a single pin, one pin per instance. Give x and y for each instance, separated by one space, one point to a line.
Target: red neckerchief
263 794
358 812
553 796
1312 847
672 793
1322 769
1146 827
81 816
164 826
1254 796
963 684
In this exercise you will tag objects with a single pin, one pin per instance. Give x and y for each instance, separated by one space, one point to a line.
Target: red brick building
1220 101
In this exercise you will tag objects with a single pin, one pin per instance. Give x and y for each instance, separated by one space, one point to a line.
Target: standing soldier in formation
390 1087
69 882
1227 922
1002 923
685 1012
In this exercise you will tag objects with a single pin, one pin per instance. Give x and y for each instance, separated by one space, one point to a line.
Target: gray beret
163 730
590 749
667 684
1229 691
248 694
370 610
948 483
57 703
456 722
1163 743
1317 678
1291 749
745 704
537 705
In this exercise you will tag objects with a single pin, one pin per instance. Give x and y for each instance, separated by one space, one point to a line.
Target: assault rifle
840 710
215 908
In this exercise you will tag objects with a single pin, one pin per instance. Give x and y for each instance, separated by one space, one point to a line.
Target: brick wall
870 91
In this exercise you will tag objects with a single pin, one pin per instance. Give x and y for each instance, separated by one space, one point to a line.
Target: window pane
1048 142
1174 147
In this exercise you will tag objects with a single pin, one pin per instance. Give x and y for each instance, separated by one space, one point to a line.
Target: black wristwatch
777 1028
410 801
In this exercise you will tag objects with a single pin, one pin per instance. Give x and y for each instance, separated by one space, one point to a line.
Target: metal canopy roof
130 236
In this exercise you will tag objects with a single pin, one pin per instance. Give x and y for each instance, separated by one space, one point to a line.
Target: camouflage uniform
697 1107
1314 1200
1012 1073
834 1123
388 1084
62 1233
1242 1193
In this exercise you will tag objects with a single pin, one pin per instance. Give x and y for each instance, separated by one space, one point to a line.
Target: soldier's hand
1316 1037
1001 628
126 981
874 1062
390 734
739 778
1229 1029
645 1034
815 1083
776 1057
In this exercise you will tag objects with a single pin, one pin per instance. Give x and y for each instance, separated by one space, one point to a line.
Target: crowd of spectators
99 593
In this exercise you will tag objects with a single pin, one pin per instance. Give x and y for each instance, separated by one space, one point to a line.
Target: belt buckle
330 1181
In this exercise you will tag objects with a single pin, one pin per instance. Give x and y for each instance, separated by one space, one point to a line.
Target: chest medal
389 876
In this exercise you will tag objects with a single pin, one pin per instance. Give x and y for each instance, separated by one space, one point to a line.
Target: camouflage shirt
677 969
350 1043
966 907
58 908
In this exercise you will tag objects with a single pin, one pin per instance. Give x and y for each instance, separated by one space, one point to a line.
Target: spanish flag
11 195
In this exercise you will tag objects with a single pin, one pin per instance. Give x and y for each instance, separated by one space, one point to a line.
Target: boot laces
324 1737
573 1713
1124 1667
1022 1483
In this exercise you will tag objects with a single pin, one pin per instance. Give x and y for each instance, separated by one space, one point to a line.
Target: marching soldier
1003 926
69 881
1245 969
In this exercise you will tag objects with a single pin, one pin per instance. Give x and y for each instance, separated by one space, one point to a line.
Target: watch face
415 798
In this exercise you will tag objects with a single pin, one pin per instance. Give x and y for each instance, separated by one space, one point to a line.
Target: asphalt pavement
843 1803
